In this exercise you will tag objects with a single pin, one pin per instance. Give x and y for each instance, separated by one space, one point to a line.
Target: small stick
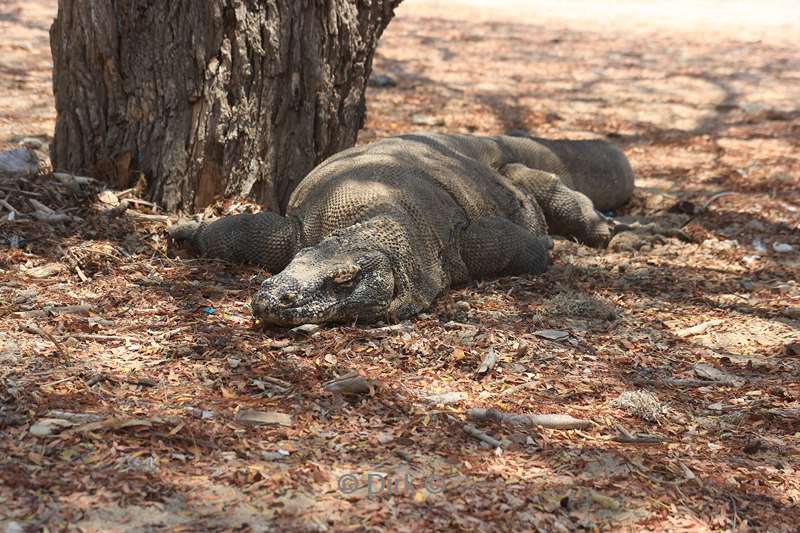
472 431
717 197
66 309
36 330
9 207
696 383
118 210
81 274
546 421
70 378
144 216
515 388
20 191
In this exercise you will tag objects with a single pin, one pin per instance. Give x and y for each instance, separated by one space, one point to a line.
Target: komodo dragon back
380 231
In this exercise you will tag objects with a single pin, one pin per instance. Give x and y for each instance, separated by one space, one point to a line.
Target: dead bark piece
704 371
488 363
551 334
46 271
550 421
250 416
471 430
349 384
78 418
445 398
698 329
45 427
793 414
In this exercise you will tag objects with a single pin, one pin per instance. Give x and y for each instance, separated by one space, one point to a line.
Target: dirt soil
136 394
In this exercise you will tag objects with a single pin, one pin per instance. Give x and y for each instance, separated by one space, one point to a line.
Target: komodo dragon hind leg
495 246
264 239
569 213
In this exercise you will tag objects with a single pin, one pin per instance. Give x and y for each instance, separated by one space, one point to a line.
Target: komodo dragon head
332 281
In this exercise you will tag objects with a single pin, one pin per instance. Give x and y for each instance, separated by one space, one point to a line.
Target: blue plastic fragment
208 310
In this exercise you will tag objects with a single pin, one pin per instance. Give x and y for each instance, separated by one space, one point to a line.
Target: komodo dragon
381 230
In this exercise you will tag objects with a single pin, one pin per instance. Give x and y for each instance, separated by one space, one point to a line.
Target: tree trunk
212 97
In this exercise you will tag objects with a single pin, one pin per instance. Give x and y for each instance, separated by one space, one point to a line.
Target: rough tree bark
212 97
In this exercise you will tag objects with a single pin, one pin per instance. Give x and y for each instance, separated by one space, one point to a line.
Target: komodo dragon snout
325 283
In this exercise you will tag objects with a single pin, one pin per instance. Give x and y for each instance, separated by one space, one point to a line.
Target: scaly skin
380 231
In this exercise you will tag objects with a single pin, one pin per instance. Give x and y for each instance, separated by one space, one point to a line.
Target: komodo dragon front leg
263 239
496 246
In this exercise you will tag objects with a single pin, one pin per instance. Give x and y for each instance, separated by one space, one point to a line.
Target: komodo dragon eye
346 275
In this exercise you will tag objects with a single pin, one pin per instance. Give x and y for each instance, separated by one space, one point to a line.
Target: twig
143 216
63 310
276 381
66 178
717 197
546 421
137 201
97 337
696 383
21 191
118 210
64 380
9 207
36 330
627 437
472 431
708 203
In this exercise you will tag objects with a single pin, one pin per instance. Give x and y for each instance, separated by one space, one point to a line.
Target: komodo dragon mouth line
382 230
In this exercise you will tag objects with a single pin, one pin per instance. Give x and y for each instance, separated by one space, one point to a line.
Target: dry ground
153 372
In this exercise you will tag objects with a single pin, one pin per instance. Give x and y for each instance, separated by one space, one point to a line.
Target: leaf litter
124 402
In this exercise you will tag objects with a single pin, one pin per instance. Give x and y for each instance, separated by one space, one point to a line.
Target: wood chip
46 271
551 334
488 362
258 418
350 384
